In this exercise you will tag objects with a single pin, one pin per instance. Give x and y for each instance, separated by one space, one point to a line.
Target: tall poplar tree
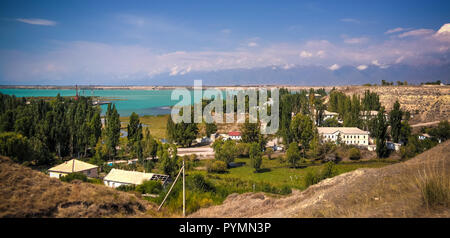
395 120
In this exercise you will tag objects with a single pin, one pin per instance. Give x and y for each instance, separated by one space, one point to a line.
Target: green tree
442 131
168 164
112 130
15 146
226 151
134 129
405 132
314 151
381 135
150 145
330 122
255 156
395 120
182 133
293 154
101 153
135 137
95 127
269 152
250 132
302 129
210 128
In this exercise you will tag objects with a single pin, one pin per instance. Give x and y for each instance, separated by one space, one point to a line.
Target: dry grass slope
416 188
29 193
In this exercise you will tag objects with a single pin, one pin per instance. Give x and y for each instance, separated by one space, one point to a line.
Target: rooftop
342 130
369 113
125 176
325 112
234 133
72 166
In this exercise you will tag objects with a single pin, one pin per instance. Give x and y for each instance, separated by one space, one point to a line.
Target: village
354 143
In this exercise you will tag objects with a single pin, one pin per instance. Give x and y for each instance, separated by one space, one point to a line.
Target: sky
118 42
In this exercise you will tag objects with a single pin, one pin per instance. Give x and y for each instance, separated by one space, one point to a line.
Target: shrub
217 166
311 178
285 189
293 154
15 146
269 152
126 188
149 186
198 182
243 149
354 154
435 188
74 176
327 171
95 181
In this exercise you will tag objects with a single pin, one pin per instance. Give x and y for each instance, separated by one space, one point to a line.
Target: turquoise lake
143 102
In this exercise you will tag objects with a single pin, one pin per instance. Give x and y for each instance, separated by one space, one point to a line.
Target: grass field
278 174
156 124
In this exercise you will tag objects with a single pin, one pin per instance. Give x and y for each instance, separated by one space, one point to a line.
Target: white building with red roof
234 135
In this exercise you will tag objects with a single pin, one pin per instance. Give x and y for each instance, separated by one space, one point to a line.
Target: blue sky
99 42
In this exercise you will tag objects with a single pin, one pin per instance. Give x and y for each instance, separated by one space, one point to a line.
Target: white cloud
350 20
305 54
189 68
418 32
320 53
334 67
362 67
174 71
395 30
376 63
252 44
92 60
445 29
226 31
357 40
399 59
37 21
443 34
288 66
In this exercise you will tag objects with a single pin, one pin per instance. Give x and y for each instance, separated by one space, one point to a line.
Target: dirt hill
426 103
391 191
29 193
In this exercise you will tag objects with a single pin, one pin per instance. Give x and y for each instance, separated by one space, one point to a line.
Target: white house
235 135
118 177
348 135
73 166
424 136
393 146
368 114
327 115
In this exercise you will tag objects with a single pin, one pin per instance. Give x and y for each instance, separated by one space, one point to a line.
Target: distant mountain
305 75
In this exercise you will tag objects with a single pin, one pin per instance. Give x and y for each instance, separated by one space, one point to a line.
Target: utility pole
184 191
170 189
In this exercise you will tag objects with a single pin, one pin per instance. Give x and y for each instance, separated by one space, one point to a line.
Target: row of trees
351 107
61 126
183 133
